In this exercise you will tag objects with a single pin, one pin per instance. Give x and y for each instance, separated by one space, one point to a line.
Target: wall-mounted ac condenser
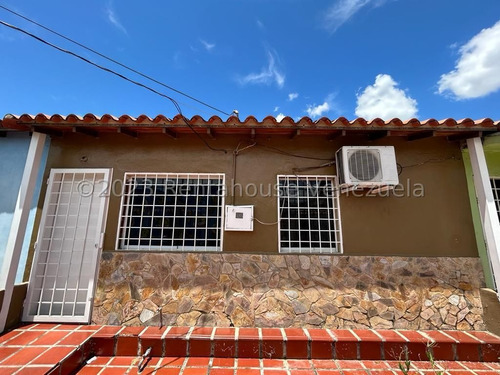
360 167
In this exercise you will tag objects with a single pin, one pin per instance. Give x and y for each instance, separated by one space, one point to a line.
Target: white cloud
385 100
208 46
280 117
267 75
477 71
292 96
276 109
113 18
260 24
342 10
314 111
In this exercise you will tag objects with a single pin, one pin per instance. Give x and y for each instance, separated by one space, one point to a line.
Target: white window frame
333 209
496 192
124 205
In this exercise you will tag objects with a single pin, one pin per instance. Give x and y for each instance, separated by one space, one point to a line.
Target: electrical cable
324 165
264 223
278 151
238 150
113 60
400 168
178 108
276 222
453 157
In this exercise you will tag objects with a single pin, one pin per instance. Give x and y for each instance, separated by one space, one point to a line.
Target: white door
61 286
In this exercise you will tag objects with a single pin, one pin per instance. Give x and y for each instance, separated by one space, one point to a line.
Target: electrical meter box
239 218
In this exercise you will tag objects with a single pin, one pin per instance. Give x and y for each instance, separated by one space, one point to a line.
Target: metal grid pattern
308 215
495 187
172 212
364 165
65 266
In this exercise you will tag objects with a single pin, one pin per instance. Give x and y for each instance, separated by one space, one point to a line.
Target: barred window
171 212
495 187
308 215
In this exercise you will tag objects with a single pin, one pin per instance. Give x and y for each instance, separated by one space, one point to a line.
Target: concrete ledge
491 307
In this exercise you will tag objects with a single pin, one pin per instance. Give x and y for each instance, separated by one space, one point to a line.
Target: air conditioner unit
363 167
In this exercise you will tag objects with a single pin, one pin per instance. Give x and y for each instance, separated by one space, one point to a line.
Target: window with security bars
308 215
495 186
172 212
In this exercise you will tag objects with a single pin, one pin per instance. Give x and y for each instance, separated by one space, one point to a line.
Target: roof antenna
235 113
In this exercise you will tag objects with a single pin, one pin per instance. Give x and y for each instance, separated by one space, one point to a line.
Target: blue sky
369 58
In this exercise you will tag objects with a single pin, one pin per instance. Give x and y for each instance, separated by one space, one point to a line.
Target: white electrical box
239 218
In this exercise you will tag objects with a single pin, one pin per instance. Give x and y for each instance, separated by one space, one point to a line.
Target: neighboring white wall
13 152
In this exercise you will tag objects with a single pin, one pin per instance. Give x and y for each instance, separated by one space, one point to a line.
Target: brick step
297 343
253 366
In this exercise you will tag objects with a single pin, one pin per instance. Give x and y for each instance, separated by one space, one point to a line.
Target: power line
113 60
116 74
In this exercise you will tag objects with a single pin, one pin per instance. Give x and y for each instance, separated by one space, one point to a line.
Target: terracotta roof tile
25 121
378 121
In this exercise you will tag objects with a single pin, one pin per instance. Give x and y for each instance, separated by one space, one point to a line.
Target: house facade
143 222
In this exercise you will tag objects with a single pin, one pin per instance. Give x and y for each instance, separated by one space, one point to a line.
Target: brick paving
230 366
67 349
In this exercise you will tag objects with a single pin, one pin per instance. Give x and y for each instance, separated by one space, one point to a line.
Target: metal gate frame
100 228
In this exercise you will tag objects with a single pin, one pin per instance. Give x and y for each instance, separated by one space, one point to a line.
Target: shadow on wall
16 305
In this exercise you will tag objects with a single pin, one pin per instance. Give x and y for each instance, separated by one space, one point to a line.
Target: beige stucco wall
437 224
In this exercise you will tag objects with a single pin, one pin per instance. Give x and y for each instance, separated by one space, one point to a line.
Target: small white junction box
239 218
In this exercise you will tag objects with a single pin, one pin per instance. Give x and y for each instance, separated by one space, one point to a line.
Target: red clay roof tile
25 121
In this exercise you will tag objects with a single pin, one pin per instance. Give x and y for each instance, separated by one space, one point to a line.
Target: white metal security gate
63 273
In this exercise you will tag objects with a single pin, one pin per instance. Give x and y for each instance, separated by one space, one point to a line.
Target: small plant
430 356
405 365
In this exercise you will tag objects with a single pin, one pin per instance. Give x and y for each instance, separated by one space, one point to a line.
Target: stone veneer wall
289 290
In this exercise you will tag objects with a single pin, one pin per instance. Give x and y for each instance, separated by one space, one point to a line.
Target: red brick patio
67 349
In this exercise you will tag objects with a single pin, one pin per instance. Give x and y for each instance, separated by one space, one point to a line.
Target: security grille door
63 273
